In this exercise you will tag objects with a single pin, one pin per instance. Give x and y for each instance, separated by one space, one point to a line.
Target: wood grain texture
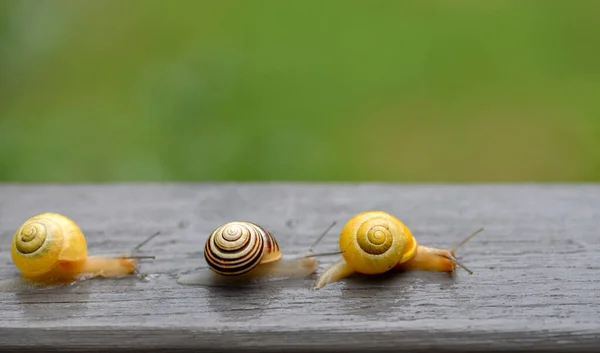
535 285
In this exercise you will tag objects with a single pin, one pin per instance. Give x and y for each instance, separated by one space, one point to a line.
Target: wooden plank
535 284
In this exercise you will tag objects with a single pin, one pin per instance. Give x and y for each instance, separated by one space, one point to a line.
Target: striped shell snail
237 247
375 242
243 251
50 249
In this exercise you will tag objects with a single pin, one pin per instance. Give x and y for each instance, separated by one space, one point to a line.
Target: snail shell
238 247
374 242
42 241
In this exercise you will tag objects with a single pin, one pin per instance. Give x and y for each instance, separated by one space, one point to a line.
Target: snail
375 242
50 249
243 252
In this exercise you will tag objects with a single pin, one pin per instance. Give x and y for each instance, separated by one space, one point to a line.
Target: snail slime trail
243 252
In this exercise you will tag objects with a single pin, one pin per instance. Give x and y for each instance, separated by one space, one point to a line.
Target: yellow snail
241 251
50 249
375 242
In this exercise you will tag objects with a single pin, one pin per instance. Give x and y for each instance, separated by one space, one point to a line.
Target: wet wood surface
535 284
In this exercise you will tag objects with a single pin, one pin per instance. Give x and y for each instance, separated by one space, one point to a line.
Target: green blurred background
145 90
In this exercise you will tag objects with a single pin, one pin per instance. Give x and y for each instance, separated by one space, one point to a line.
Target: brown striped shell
237 247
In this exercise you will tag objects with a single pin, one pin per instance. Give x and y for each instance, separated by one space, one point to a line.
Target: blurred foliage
109 90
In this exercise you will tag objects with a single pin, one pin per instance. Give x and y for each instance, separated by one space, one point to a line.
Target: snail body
240 251
375 242
50 249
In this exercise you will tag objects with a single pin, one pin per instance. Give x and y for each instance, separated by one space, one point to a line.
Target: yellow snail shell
42 242
374 242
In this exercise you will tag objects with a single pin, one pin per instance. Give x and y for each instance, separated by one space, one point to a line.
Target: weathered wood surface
535 287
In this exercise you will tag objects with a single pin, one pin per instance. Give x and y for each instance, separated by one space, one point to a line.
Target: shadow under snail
375 242
243 252
50 249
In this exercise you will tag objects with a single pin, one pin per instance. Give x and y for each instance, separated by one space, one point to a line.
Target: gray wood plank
535 285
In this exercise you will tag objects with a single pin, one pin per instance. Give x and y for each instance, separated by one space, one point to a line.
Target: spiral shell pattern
32 236
374 236
374 242
237 247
